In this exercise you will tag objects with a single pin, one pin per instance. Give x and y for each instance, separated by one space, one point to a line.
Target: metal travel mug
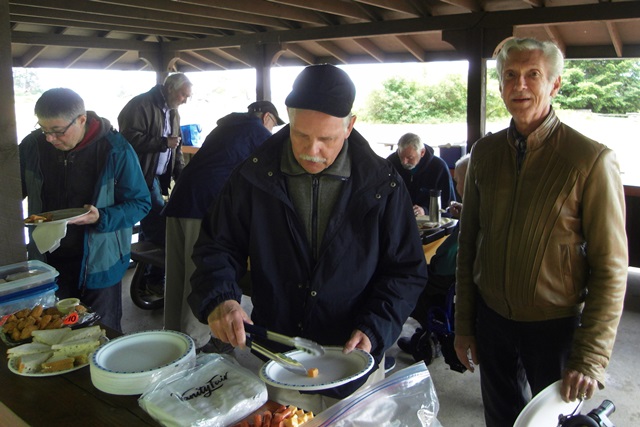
434 206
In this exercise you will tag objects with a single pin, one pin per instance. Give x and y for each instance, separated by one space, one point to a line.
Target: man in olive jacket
542 259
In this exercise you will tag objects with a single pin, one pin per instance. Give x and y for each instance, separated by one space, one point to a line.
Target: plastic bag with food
406 398
216 392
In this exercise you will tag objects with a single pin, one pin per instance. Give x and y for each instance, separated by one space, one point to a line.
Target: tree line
601 86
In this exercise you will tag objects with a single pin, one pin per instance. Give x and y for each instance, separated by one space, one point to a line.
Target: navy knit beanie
323 88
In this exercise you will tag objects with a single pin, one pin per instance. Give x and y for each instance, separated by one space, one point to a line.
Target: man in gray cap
327 225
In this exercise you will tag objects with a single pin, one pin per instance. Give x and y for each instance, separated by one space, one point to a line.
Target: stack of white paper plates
131 363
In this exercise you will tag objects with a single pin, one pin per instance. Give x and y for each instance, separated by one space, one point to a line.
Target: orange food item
33 219
313 372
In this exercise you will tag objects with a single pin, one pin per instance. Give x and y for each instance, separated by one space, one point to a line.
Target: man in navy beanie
328 227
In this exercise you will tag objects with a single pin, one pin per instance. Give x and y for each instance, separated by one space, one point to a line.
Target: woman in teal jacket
75 160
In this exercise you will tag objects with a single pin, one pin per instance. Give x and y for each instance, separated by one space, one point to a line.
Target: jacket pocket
573 266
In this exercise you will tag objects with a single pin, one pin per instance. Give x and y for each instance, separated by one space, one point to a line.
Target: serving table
68 399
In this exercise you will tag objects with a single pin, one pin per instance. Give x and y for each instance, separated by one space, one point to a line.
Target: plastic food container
26 284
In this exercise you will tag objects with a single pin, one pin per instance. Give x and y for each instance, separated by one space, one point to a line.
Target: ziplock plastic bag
216 392
406 398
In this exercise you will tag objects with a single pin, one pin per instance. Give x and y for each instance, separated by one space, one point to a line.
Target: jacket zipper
519 164
315 184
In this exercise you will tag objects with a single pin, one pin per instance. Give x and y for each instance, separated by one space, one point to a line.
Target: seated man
442 271
422 171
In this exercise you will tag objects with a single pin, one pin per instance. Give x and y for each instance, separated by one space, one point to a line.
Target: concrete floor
459 394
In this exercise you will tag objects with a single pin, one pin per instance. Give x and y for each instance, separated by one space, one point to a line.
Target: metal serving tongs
286 362
283 360
303 344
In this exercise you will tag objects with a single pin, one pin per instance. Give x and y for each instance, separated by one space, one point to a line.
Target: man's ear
556 86
350 127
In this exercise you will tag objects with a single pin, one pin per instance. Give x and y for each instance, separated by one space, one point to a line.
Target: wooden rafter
334 51
413 47
470 5
402 6
300 52
263 8
182 9
334 7
556 37
615 37
371 49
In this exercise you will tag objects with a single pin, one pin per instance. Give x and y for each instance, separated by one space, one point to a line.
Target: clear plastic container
25 275
44 295
25 285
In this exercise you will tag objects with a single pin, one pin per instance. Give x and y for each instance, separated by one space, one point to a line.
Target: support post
13 248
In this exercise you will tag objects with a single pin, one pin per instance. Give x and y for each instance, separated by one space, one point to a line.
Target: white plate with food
13 367
334 369
55 217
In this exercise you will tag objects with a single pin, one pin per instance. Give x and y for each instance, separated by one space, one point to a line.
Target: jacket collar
341 167
537 138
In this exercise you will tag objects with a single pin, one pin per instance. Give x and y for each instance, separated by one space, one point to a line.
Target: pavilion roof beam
264 9
615 37
31 55
184 8
212 58
402 6
534 3
238 55
371 48
334 51
334 7
556 37
413 47
98 26
196 63
92 11
470 5
300 52
112 59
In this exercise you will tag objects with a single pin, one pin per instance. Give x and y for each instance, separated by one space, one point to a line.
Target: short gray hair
550 51
410 140
59 103
175 81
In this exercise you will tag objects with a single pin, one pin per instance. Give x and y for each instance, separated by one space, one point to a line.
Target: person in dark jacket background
77 160
422 171
230 143
151 123
327 225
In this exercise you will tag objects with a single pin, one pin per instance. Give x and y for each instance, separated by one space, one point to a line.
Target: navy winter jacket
430 173
200 182
370 270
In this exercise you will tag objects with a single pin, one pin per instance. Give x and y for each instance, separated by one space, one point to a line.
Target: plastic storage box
191 135
26 284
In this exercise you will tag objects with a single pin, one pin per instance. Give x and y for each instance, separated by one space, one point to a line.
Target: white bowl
131 363
67 305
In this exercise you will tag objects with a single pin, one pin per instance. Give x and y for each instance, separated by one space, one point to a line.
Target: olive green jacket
547 242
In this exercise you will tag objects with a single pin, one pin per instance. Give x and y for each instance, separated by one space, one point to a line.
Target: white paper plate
142 352
335 368
445 222
545 407
61 215
129 364
13 367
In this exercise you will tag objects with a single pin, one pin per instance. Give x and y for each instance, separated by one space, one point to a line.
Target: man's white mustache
313 158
